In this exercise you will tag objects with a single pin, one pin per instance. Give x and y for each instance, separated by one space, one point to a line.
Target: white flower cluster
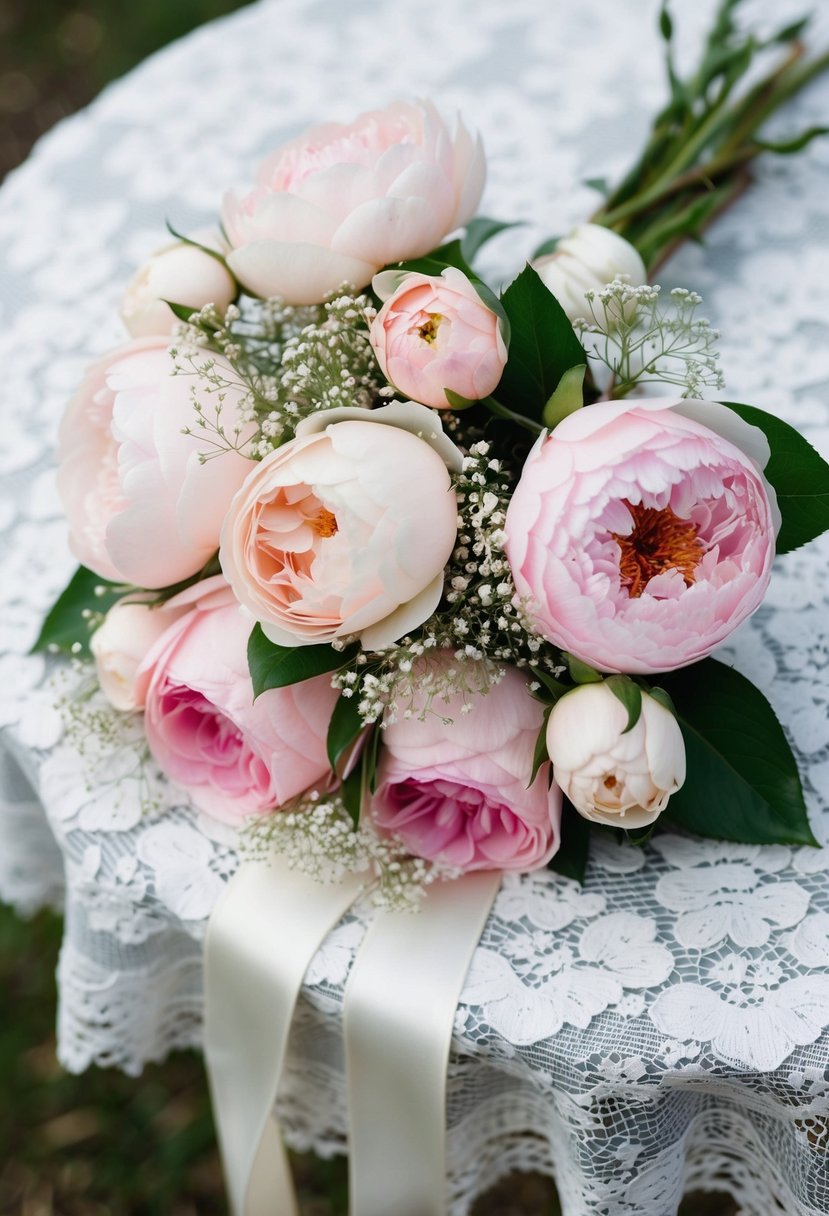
317 838
290 361
641 340
481 623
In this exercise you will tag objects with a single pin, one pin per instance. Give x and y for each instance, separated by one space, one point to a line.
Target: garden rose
142 506
346 529
343 199
121 643
612 776
642 532
455 792
435 333
234 756
587 260
181 273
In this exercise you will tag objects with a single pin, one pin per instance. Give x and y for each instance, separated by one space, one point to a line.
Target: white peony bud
621 779
587 260
120 645
181 273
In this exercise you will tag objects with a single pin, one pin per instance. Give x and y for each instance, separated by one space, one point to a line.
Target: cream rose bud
119 646
434 333
587 260
346 529
612 776
181 273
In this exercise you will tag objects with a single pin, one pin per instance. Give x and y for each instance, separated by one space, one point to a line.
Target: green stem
501 411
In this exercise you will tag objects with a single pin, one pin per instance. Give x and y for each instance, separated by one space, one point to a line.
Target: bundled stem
695 161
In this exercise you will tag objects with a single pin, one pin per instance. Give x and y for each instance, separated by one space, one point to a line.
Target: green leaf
546 247
481 230
344 728
273 666
630 696
800 477
66 628
540 755
183 311
659 694
787 146
573 852
450 254
568 397
351 792
599 184
554 688
543 346
456 401
666 26
582 673
742 781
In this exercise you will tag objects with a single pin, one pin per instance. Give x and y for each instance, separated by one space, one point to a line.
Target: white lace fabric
663 1027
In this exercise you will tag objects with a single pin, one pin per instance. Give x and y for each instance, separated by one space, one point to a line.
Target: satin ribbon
400 1004
262 935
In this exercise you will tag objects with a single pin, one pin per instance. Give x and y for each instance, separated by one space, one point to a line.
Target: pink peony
456 792
341 200
181 273
435 333
642 532
142 507
233 756
346 529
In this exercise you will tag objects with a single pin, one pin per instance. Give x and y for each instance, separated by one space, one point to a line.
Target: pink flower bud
435 333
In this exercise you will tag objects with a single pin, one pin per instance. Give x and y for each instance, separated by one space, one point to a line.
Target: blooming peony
455 792
181 273
346 529
622 778
587 260
343 199
642 532
142 507
234 757
435 333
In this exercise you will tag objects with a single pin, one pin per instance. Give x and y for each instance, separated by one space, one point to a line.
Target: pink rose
642 532
341 200
234 757
346 529
456 792
142 507
435 333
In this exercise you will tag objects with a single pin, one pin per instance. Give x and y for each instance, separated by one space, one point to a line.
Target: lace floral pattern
665 1025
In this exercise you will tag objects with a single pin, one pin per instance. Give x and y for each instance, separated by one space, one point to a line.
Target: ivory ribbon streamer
400 1004
261 937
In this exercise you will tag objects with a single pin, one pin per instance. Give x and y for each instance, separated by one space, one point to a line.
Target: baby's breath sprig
316 837
480 619
289 362
643 340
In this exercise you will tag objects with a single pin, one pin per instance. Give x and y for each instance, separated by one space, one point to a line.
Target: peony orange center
659 541
324 523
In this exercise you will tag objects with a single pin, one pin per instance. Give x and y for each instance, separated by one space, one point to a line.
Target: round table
662 1027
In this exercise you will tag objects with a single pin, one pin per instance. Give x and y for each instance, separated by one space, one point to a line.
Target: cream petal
298 273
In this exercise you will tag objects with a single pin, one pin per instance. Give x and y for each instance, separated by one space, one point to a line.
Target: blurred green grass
55 56
103 1144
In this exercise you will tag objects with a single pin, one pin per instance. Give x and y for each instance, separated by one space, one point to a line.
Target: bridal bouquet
411 573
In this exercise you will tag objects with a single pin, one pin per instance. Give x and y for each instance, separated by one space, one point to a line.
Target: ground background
103 1144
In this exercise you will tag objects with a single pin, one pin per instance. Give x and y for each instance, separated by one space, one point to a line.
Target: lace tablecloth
665 1025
